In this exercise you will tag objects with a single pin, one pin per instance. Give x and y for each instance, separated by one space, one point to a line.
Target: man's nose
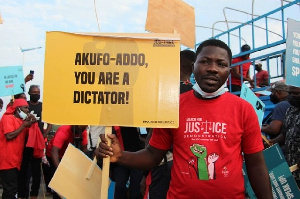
213 67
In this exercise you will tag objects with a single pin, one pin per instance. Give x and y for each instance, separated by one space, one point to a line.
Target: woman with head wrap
14 125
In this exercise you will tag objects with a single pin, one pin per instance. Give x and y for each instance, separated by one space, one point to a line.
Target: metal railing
272 50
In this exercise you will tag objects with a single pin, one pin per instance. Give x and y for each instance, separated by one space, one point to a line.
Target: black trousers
47 175
161 177
9 179
121 175
52 171
30 167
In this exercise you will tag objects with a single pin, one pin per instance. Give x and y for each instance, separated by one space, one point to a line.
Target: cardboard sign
292 60
258 105
282 181
169 16
11 80
112 79
70 179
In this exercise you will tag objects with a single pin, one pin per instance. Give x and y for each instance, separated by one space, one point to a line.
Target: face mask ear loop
21 113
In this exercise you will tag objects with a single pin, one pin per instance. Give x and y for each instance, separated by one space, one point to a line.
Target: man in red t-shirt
215 129
13 128
240 71
65 135
262 76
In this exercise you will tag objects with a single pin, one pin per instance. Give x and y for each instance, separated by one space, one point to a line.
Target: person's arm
144 159
26 123
84 149
248 78
13 134
248 75
28 78
258 175
273 128
236 72
48 129
280 139
252 82
55 155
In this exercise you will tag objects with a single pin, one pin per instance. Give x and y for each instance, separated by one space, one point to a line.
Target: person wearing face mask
278 96
217 131
29 161
290 131
14 126
262 76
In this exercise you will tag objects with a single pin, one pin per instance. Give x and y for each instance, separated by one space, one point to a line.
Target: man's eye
222 65
204 62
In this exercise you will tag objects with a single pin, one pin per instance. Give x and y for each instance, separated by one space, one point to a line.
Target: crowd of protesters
178 163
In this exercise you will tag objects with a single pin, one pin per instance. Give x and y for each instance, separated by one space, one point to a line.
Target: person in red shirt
65 135
13 128
262 76
217 131
239 71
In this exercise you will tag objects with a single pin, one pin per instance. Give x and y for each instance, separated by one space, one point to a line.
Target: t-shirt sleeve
161 138
60 137
279 111
8 124
251 139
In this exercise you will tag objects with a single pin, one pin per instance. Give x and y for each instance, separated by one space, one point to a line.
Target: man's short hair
188 54
217 43
31 87
245 48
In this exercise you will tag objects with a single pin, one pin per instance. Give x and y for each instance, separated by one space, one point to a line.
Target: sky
25 23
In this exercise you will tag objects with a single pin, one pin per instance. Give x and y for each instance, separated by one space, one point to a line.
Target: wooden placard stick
294 167
90 172
105 168
265 139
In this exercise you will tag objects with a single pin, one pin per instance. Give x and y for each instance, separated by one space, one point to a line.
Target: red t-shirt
261 76
210 139
11 150
62 138
246 66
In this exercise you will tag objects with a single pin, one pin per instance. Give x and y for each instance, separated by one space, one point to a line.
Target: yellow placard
112 79
70 179
172 16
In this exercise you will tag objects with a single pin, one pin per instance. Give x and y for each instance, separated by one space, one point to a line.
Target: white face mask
22 115
0 109
204 94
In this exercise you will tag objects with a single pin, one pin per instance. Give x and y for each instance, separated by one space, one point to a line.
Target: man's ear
229 71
